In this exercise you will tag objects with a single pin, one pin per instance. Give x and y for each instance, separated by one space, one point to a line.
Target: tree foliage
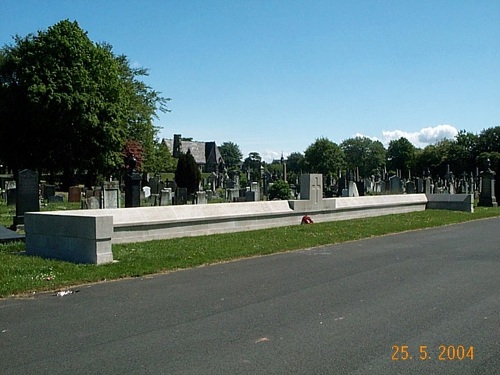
252 165
67 103
401 155
231 154
187 174
363 154
325 157
280 190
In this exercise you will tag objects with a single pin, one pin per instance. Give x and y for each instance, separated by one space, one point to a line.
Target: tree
187 174
67 103
159 159
363 154
252 165
401 155
231 154
280 190
325 157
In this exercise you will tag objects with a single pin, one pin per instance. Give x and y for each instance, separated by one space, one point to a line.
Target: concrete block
74 238
453 202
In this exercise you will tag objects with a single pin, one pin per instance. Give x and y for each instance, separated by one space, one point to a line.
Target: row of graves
481 185
28 194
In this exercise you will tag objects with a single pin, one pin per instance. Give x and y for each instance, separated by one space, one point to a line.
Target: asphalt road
342 309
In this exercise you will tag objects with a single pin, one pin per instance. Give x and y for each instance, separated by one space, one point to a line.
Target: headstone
89 193
74 194
181 196
353 189
11 196
361 188
165 197
147 191
410 187
250 196
311 187
93 203
154 184
133 190
56 199
395 185
232 194
28 195
48 191
487 196
111 194
420 185
254 186
201 197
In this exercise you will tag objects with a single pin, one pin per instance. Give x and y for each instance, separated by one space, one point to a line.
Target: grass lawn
23 275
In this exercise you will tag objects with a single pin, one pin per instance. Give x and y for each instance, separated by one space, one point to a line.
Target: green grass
21 274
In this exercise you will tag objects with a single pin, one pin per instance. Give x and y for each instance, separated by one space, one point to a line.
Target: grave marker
28 195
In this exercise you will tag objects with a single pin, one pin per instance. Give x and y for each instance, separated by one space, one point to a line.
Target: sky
273 76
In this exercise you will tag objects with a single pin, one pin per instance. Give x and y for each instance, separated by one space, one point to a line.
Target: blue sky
273 76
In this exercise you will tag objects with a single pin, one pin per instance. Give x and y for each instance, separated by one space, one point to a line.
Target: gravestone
201 197
11 196
254 186
28 195
395 185
420 185
353 190
487 196
249 196
311 187
92 203
133 190
181 196
111 194
165 197
154 184
74 194
48 191
410 187
232 194
56 199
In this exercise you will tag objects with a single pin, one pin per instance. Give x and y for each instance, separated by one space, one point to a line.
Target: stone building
206 154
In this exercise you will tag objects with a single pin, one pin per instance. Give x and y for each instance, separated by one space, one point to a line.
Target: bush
280 190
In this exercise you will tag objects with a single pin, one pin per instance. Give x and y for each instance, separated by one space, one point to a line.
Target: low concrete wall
85 236
453 202
75 238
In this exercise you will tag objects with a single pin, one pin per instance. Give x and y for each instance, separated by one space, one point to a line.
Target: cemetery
138 209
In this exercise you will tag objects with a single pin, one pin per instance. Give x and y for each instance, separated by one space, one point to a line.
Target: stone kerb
453 202
74 236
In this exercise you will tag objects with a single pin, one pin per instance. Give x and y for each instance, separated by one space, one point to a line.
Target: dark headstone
11 196
154 184
410 187
74 194
48 191
28 195
133 189
181 196
56 199
487 197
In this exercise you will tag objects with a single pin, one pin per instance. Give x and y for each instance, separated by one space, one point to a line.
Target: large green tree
363 154
325 157
67 103
401 155
231 154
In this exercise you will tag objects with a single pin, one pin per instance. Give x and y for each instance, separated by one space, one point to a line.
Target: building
206 154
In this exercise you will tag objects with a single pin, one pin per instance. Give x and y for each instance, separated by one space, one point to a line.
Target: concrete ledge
85 236
74 238
453 202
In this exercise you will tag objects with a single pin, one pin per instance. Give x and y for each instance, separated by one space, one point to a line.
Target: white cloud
268 156
423 137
